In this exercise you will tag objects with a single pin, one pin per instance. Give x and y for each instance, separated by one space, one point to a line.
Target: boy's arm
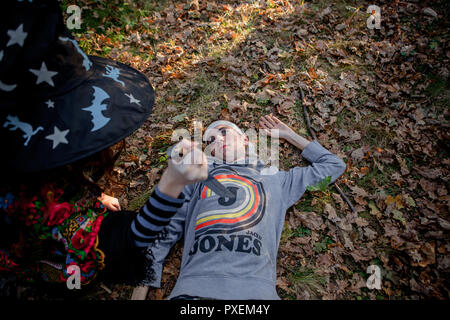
297 140
323 164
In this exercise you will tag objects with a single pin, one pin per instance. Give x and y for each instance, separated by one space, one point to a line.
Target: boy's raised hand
270 122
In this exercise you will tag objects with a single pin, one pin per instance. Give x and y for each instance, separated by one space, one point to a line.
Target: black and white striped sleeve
154 216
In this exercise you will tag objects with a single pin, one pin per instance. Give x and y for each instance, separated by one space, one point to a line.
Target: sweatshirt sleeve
323 164
154 216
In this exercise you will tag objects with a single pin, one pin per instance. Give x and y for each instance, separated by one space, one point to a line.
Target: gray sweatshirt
230 246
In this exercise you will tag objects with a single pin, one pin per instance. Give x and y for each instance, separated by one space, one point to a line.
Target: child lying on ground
231 244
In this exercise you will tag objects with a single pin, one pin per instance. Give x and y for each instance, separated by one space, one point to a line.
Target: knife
218 188
211 182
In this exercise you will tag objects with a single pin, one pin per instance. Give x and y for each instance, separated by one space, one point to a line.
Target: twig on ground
343 196
105 288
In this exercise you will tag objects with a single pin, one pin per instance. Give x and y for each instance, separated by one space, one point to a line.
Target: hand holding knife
210 181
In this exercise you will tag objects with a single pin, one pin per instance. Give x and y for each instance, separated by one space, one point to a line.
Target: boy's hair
217 123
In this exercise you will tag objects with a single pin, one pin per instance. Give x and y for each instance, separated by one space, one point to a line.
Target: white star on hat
133 99
58 137
16 36
44 75
50 104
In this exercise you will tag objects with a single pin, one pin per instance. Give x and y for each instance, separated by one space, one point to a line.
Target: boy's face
227 144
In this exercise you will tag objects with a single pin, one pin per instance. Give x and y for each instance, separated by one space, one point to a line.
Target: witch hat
57 104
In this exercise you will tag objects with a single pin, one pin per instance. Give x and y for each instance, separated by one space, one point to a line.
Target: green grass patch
286 233
206 90
304 204
438 85
305 279
301 232
322 246
382 179
102 15
138 202
439 90
371 132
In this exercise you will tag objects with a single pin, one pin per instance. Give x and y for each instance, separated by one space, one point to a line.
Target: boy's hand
269 122
187 165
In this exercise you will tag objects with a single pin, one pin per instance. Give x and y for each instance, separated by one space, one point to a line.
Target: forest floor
378 98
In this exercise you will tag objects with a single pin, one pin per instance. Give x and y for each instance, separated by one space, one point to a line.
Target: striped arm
154 216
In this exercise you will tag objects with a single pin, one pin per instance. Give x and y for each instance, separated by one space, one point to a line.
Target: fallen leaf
374 210
331 213
398 215
311 220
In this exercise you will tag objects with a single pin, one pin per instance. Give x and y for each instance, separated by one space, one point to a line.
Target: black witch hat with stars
57 104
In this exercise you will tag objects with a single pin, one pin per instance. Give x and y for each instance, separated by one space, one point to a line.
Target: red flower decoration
88 266
30 207
58 212
83 239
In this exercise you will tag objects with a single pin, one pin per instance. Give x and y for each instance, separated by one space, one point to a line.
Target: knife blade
218 188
